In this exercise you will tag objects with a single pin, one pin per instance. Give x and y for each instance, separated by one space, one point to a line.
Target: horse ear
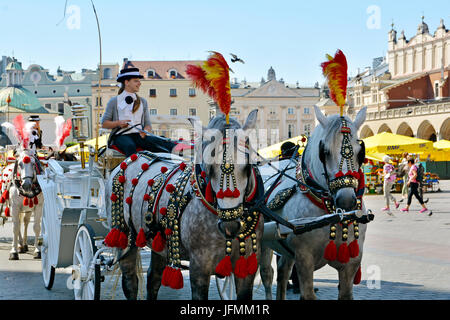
321 117
360 118
250 123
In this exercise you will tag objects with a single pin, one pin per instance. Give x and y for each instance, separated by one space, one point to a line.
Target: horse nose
26 185
346 200
229 229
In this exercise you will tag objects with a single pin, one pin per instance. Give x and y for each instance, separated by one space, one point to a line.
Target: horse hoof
37 255
23 249
14 256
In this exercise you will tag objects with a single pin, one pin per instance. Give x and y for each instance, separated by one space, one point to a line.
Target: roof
162 68
273 88
20 98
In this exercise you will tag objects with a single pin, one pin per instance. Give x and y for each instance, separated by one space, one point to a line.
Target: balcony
411 111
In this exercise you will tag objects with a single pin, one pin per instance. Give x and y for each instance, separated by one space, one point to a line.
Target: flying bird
235 58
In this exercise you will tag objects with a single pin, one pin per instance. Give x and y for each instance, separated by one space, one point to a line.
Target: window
436 90
192 111
306 110
173 92
191 92
151 74
173 112
307 129
99 101
54 91
152 93
153 112
61 108
290 130
173 73
48 106
107 74
272 111
290 110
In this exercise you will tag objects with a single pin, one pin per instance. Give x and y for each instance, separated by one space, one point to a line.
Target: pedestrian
389 179
420 174
403 164
414 188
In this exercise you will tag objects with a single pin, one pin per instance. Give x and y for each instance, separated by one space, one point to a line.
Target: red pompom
145 166
5 194
133 157
224 268
236 193
354 249
203 174
163 169
343 254
168 232
170 188
252 264
129 200
176 280
30 203
123 240
150 182
219 194
122 179
26 159
112 239
140 240
36 200
228 193
182 166
134 181
357 278
163 211
25 201
113 197
339 174
166 276
7 212
146 197
2 200
123 166
330 253
158 243
240 269
209 193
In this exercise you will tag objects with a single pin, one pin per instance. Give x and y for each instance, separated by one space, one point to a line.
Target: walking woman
403 164
127 113
414 188
389 179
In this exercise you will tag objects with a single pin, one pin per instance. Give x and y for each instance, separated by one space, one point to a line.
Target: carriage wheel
226 287
48 271
85 288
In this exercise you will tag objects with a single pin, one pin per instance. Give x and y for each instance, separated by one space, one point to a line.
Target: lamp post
80 128
97 114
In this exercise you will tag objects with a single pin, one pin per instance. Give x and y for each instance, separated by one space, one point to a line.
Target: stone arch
444 131
384 128
426 131
366 132
405 130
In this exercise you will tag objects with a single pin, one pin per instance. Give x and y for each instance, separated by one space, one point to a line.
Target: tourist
403 164
389 179
414 188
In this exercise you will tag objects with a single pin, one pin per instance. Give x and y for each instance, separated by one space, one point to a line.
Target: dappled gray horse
330 164
196 212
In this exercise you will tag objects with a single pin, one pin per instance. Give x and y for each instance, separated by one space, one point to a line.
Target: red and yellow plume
335 69
213 78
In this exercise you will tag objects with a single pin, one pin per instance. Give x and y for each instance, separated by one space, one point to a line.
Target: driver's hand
123 123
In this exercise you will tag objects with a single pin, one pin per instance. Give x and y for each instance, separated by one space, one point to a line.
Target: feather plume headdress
62 130
20 130
335 69
213 78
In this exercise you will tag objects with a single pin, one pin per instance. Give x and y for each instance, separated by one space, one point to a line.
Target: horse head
341 156
224 156
25 169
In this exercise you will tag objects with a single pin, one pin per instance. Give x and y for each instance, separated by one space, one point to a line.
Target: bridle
18 180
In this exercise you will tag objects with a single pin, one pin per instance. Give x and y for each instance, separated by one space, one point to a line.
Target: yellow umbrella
275 149
375 156
442 144
390 143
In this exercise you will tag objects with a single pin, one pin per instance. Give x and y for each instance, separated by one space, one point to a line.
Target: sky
291 36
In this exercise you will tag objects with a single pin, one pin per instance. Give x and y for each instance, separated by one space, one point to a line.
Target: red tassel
166 276
236 193
209 193
354 249
123 166
135 181
163 211
343 254
25 201
163 169
123 240
113 197
145 166
129 200
224 268
228 193
2 200
330 251
252 264
140 240
146 197
30 203
168 232
6 212
36 200
357 278
240 270
158 243
203 174
112 238
133 157
170 188
150 182
339 174
176 280
122 179
182 166
5 194
219 194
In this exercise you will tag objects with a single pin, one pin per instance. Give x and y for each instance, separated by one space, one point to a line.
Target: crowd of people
413 173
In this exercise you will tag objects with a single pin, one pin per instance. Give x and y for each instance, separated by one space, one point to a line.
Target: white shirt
125 111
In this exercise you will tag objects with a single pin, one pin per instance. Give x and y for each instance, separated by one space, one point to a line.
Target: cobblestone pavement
406 257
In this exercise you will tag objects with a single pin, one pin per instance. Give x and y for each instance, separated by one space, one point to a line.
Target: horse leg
199 279
129 274
26 222
305 271
266 270
37 230
154 275
284 268
15 215
346 275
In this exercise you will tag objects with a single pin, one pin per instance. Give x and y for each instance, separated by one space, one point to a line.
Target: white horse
331 164
21 198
